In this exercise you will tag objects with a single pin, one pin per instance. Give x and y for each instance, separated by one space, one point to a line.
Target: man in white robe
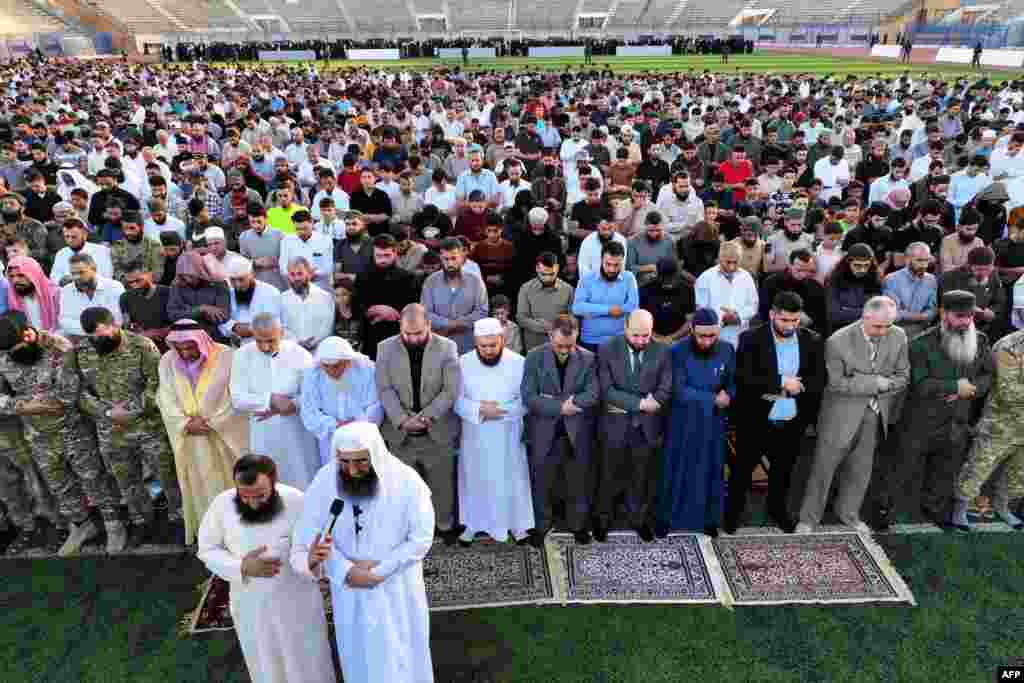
245 539
834 173
249 298
373 559
494 475
338 389
266 375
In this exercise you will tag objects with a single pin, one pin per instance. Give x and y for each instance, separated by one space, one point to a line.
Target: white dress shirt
309 317
714 290
833 177
73 302
318 250
99 252
589 259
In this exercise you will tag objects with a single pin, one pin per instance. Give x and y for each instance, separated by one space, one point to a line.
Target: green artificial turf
100 620
764 62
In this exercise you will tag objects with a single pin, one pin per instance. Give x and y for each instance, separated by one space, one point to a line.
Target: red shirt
737 174
349 181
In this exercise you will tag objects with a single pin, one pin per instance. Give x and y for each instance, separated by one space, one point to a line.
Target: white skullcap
486 327
238 267
538 216
334 349
214 233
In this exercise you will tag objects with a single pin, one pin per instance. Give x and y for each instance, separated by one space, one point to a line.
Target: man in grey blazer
635 375
418 382
868 371
560 390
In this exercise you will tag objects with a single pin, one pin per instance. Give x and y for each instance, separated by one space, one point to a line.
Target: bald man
418 381
635 375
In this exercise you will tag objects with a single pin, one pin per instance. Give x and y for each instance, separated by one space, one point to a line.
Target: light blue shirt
486 182
787 354
324 401
912 295
594 299
963 188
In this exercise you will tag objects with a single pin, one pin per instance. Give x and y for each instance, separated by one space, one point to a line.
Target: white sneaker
803 528
80 533
860 527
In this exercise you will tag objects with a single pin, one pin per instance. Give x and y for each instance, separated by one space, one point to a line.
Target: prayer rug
676 569
483 575
840 567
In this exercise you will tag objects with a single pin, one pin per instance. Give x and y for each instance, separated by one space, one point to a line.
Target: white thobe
494 475
309 317
325 401
714 290
280 621
266 299
73 302
383 632
832 177
254 377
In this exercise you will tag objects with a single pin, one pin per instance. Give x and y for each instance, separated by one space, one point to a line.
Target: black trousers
926 464
544 471
627 470
781 442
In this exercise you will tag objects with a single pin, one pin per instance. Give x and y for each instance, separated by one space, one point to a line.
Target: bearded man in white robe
494 474
245 539
373 558
266 375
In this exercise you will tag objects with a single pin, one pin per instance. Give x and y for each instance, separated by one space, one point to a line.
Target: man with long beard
690 492
245 539
950 368
33 294
373 559
115 380
494 475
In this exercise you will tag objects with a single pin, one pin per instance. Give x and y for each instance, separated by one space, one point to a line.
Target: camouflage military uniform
15 487
34 234
62 446
128 375
127 256
998 450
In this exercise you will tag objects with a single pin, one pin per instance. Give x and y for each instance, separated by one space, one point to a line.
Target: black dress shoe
582 537
464 544
729 527
784 522
645 532
711 531
137 535
525 540
600 533
661 530
881 521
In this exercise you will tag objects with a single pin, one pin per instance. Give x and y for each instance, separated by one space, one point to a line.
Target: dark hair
500 301
613 248
94 316
250 466
450 244
385 241
788 302
82 258
494 218
565 325
547 259
801 255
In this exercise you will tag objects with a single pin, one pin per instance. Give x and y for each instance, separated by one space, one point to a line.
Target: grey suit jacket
622 390
853 382
439 387
543 395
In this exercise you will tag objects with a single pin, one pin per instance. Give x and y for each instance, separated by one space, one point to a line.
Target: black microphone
336 507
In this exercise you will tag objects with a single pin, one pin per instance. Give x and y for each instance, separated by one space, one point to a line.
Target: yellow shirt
281 219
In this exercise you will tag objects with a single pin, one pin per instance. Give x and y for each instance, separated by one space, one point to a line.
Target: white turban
333 349
237 267
363 436
214 233
486 327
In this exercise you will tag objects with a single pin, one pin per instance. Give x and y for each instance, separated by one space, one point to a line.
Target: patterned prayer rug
487 574
627 570
840 567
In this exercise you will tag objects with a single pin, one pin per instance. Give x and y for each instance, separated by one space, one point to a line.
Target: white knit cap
486 327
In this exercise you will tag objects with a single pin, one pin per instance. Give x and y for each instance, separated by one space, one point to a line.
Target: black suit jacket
619 389
757 374
543 396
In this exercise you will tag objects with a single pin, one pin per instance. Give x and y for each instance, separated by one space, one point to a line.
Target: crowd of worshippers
597 276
